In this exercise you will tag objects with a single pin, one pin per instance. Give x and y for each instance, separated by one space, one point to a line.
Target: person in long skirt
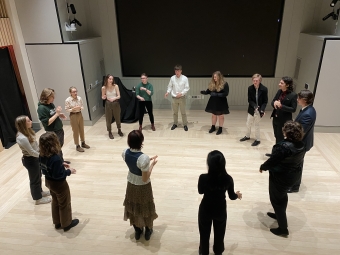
139 206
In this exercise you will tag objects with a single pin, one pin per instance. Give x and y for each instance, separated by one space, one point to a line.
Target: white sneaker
43 200
45 193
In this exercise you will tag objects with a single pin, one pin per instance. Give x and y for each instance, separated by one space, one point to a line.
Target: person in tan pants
74 105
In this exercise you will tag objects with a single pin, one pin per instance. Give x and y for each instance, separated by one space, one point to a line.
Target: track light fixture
332 14
333 3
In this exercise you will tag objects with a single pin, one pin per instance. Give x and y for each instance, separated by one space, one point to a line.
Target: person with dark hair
257 99
74 105
178 87
111 95
213 207
306 118
139 206
217 105
285 166
51 116
56 171
144 91
30 159
284 104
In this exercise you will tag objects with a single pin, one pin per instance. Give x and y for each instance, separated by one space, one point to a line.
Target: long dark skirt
139 205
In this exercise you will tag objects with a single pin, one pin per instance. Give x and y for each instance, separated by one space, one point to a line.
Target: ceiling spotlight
333 3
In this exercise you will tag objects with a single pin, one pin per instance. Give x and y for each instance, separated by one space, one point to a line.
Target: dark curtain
128 103
12 100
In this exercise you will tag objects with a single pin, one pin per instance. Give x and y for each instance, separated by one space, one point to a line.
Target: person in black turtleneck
285 166
213 207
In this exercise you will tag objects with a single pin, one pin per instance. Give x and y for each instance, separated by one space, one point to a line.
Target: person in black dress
213 207
285 166
217 104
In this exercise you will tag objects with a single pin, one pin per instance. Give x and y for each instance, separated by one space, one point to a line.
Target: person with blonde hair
56 171
74 105
217 105
51 116
111 95
30 150
257 99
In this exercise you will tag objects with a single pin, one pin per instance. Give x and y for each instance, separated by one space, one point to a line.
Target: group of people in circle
285 162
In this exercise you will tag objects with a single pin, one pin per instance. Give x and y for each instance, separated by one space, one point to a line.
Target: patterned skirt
139 205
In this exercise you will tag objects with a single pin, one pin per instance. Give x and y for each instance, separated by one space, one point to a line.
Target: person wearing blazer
306 118
284 104
257 99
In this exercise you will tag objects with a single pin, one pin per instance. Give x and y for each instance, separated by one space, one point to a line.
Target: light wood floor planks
98 191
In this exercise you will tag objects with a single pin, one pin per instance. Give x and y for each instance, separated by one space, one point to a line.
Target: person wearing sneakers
139 206
74 105
111 95
56 171
285 166
257 99
178 87
30 160
218 103
144 91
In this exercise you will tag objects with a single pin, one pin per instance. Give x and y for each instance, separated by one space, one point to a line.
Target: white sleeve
123 154
143 163
170 85
186 86
24 143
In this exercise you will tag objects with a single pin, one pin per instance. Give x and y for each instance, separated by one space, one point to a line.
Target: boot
138 232
120 132
84 145
219 131
111 135
212 129
148 233
140 128
80 149
153 127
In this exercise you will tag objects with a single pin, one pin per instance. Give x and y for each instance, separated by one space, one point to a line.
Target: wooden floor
98 191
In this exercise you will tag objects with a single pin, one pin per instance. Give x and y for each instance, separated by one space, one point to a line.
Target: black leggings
148 105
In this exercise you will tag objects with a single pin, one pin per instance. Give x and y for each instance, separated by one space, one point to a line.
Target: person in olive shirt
144 91
50 117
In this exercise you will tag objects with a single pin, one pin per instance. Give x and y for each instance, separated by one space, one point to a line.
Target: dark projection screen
236 37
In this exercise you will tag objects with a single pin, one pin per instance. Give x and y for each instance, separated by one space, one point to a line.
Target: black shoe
293 190
255 143
138 232
244 139
57 226
185 128
212 129
268 154
271 215
279 231
219 131
148 233
67 162
173 126
73 224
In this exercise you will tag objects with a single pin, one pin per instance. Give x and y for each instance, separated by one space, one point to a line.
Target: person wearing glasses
144 91
178 87
51 116
74 105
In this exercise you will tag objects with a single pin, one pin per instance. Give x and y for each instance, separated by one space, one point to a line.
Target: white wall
38 20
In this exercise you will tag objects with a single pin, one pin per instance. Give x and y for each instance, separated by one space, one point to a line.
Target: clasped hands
60 114
277 104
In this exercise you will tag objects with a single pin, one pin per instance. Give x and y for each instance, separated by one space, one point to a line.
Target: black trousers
148 105
206 217
60 134
278 187
296 186
34 175
277 127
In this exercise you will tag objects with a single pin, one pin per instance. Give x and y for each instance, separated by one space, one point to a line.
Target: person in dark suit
257 99
306 118
284 104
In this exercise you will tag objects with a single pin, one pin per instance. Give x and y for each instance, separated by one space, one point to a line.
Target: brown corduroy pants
77 124
112 109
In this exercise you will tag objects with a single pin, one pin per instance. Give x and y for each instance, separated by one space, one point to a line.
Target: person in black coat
213 207
285 166
284 104
218 103
306 118
257 99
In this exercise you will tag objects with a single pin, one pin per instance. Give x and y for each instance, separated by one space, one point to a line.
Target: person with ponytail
30 159
213 207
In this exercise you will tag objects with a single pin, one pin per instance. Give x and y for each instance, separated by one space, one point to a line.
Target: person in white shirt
74 105
178 87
